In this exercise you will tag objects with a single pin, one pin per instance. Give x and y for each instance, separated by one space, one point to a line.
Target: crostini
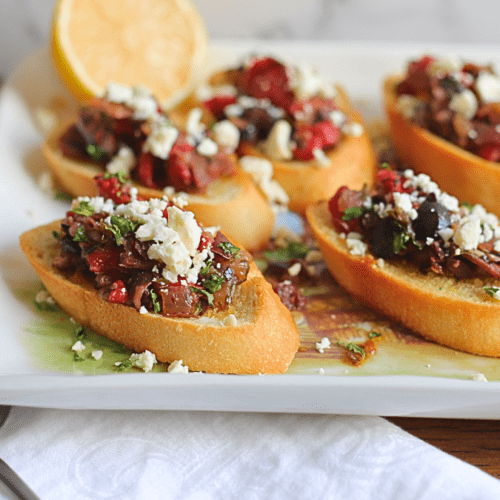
305 129
444 119
147 275
415 254
126 132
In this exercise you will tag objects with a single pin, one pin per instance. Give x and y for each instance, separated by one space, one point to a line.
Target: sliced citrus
161 44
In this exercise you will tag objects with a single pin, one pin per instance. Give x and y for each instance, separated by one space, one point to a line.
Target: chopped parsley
201 291
156 304
356 349
80 235
95 152
120 226
401 238
228 247
84 208
491 291
206 268
60 195
213 283
466 205
294 250
352 213
374 335
120 175
126 365
55 234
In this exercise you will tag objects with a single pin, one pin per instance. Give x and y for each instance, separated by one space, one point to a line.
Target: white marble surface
24 24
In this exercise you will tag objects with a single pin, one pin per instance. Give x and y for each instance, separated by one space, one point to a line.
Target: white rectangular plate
35 360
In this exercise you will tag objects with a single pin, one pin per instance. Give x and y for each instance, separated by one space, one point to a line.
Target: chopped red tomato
118 293
111 187
102 260
490 152
343 199
217 104
321 135
267 79
390 181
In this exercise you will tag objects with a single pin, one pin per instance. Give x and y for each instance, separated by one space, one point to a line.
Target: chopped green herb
126 365
373 335
204 270
205 293
78 356
45 306
120 226
491 290
79 332
228 247
294 250
156 304
352 213
401 238
213 283
84 208
55 234
80 235
352 347
466 205
386 166
61 195
95 152
120 175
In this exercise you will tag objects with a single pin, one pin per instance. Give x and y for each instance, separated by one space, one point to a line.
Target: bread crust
264 340
234 204
456 314
457 171
352 163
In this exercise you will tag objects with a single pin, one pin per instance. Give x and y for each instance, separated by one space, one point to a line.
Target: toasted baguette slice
457 171
234 204
352 163
264 340
458 314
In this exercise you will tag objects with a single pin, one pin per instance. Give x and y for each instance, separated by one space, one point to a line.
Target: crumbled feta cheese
226 134
78 346
337 117
186 226
143 310
277 144
177 367
161 139
355 129
261 171
230 320
294 269
321 371
381 263
123 161
118 93
478 377
44 296
194 126
407 105
324 344
488 87
97 355
464 104
355 244
233 110
467 235
306 82
402 202
444 66
207 147
321 158
145 360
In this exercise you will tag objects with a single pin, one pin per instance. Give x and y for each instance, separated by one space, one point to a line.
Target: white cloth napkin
135 455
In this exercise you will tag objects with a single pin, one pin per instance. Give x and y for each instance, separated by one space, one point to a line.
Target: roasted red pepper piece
118 293
217 104
102 260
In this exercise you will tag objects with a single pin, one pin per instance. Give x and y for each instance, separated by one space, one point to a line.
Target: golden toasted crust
458 172
234 204
264 340
352 163
456 314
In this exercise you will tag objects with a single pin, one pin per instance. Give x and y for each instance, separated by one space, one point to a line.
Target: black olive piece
432 217
381 238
